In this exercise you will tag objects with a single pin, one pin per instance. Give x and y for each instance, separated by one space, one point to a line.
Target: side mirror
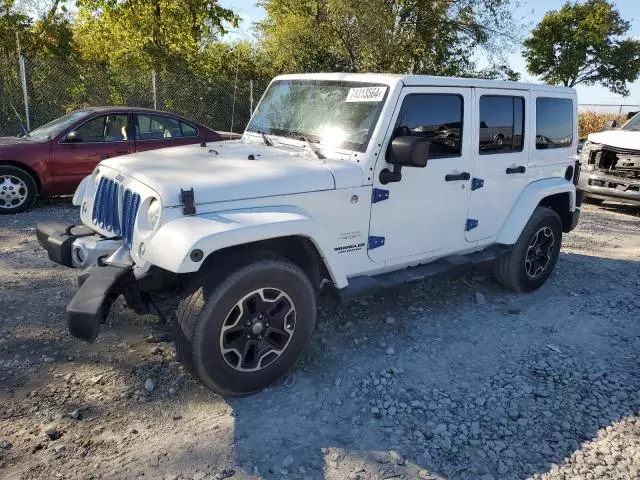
610 124
72 137
411 151
405 151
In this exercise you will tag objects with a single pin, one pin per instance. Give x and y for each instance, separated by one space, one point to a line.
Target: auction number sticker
366 94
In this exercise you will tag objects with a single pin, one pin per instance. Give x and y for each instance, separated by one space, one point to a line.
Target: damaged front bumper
108 273
603 186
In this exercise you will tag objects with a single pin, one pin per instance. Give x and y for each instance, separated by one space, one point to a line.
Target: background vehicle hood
626 139
22 141
223 171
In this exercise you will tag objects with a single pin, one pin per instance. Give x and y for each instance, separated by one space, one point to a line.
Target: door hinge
477 183
375 242
379 195
471 224
187 199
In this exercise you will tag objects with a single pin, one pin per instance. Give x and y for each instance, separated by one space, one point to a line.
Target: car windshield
58 125
633 123
332 113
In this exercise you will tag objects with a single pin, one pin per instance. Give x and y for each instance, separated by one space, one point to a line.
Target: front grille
115 209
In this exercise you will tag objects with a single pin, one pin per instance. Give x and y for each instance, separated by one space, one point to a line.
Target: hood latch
187 199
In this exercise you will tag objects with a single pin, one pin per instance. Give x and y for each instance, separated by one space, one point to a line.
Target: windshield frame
636 124
302 136
64 122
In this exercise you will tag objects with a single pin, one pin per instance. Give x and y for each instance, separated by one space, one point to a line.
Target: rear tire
18 190
535 253
245 322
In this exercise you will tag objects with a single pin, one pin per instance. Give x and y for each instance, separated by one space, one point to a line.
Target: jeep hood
234 170
625 139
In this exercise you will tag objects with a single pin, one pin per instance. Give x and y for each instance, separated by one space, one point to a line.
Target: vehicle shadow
471 395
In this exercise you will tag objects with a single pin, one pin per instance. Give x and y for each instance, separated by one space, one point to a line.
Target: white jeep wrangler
345 182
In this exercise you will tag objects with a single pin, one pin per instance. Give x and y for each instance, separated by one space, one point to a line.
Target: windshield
633 123
333 113
58 125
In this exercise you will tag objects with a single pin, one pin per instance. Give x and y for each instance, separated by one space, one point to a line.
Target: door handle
519 169
104 156
122 152
453 177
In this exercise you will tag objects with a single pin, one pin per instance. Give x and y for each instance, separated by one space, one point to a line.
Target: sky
529 14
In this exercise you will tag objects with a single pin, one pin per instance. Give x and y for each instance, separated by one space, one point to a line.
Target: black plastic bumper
99 286
574 217
57 238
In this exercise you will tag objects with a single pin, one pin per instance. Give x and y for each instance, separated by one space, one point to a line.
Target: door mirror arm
388 176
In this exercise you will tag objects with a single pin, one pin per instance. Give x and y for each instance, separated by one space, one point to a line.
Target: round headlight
153 213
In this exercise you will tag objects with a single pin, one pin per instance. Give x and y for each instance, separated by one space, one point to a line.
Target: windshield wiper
266 140
316 153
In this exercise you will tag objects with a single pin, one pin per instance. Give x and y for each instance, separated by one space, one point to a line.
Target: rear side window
554 123
156 127
435 116
188 130
501 124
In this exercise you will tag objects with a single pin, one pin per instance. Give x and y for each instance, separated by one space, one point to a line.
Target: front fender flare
529 199
172 244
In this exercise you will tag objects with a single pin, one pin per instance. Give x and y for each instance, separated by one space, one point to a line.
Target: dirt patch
450 378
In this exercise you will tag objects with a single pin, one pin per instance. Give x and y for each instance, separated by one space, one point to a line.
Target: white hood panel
222 171
626 139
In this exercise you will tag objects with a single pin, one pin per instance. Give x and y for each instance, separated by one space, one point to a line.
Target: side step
365 285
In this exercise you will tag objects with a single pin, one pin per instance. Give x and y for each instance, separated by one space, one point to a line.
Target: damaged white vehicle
348 183
610 163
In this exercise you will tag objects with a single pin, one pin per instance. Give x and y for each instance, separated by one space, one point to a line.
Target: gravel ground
450 378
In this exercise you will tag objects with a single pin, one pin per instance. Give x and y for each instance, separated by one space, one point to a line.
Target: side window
554 122
501 124
435 116
105 128
156 127
188 130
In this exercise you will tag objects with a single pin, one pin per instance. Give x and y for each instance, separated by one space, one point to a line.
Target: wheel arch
26 168
555 193
287 231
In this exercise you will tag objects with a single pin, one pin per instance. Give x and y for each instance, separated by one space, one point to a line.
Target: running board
365 285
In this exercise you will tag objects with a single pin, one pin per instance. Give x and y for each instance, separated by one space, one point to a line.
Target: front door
97 139
424 215
500 159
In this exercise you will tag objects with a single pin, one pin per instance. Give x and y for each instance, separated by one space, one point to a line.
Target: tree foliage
404 36
149 33
582 44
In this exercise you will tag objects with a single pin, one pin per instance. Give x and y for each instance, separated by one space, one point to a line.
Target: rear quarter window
554 123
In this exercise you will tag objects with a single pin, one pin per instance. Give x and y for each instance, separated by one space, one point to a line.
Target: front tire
18 190
246 322
535 253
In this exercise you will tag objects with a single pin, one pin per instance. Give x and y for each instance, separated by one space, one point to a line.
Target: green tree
404 36
582 44
149 33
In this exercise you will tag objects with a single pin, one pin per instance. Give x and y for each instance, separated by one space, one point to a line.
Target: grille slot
115 210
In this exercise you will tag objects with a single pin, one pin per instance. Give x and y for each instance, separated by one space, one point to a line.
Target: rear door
500 159
153 131
97 139
424 213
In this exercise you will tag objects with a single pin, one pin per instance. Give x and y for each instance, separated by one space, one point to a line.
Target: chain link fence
55 87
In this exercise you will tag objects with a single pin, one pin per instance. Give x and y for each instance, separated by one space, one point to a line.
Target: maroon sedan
52 159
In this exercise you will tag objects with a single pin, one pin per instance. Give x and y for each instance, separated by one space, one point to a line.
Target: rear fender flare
529 199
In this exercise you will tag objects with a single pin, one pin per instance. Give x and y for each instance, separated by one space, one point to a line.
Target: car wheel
246 323
499 140
535 253
18 190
